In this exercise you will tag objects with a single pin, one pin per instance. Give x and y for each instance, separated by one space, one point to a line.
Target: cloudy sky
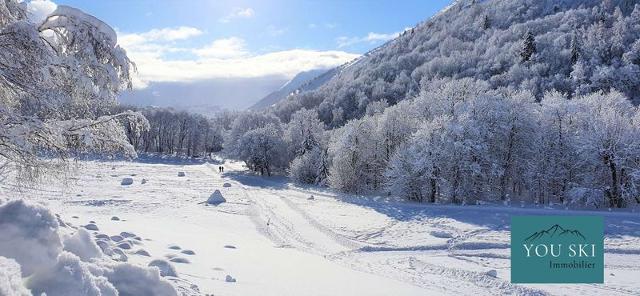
246 43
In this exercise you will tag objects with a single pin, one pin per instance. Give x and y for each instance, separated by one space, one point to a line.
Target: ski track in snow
421 249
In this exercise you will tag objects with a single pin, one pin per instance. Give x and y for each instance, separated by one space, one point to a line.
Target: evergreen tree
486 22
528 47
575 49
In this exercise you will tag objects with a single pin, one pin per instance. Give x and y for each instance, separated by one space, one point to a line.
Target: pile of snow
166 269
29 235
70 277
35 256
11 279
82 245
216 198
133 280
492 273
91 226
229 279
126 181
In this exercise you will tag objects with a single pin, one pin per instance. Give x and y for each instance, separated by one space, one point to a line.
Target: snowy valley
395 173
275 238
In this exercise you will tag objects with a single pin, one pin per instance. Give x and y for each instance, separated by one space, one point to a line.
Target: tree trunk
615 201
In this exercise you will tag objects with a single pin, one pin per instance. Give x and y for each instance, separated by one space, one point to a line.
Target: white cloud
38 10
372 37
159 35
222 58
286 63
223 48
238 13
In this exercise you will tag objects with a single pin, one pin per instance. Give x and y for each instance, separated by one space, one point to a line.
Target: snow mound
226 185
142 252
105 247
70 277
174 247
127 234
216 198
181 174
126 181
119 255
11 279
116 238
166 269
180 260
82 245
441 234
124 245
115 218
28 234
492 273
229 279
29 238
132 280
188 252
91 226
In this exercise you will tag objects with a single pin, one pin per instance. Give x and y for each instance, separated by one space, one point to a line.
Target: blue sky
269 25
244 48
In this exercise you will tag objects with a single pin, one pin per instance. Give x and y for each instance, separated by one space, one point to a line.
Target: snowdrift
39 255
216 198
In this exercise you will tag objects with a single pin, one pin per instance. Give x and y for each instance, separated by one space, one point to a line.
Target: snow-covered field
274 238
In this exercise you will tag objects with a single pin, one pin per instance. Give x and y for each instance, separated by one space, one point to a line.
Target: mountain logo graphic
555 231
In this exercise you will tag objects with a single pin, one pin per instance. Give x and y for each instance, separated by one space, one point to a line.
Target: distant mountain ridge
298 82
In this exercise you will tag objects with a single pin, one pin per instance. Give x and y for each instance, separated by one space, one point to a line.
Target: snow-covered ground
274 238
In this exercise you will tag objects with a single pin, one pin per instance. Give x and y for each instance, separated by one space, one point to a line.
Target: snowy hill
288 88
576 47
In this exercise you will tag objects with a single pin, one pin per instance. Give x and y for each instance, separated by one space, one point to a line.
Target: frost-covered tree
307 147
262 149
609 145
357 158
303 132
311 167
242 124
56 80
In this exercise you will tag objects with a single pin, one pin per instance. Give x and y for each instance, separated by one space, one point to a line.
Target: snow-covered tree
262 149
307 147
56 81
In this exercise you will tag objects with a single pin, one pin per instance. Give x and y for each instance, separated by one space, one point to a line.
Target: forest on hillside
503 101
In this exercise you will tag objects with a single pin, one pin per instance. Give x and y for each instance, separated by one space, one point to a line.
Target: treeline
461 142
178 133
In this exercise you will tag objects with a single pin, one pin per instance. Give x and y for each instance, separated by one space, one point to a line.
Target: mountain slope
574 46
291 86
